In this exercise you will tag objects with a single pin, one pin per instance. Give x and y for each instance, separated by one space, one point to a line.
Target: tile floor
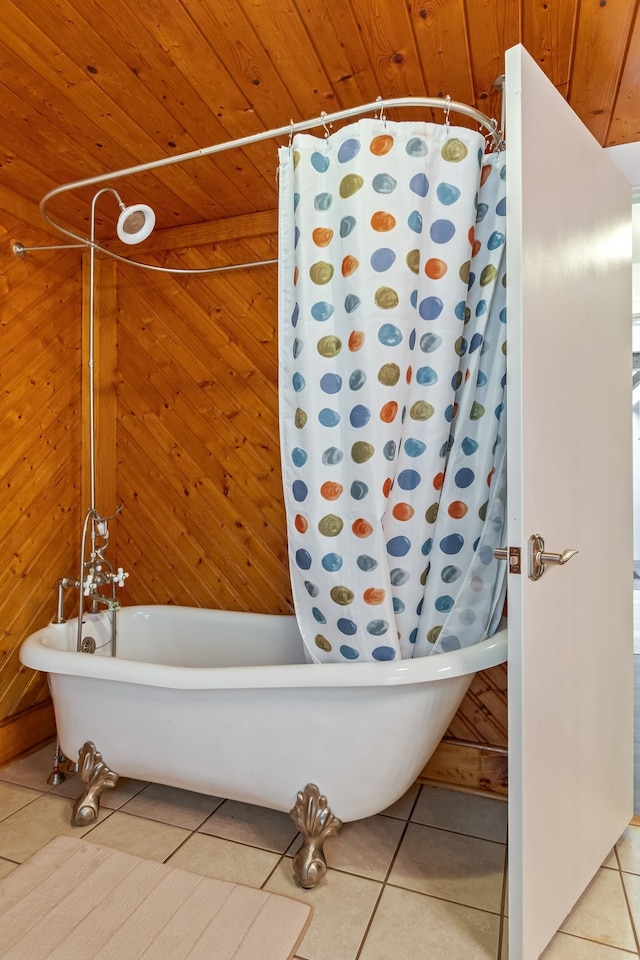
423 879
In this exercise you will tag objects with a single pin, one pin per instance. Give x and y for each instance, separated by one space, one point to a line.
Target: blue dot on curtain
348 150
409 479
430 308
298 382
469 446
389 335
447 193
398 546
443 604
429 342
366 563
347 627
464 478
320 162
414 448
347 226
485 555
383 653
332 562
332 456
414 221
398 577
359 489
426 376
382 259
331 383
348 652
359 416
416 147
450 573
303 559
441 231
384 183
322 201
377 628
351 302
299 456
452 544
321 311
419 184
318 615
389 450
300 490
328 417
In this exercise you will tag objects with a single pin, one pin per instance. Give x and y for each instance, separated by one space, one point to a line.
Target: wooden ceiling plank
493 26
80 109
441 37
282 35
548 31
223 61
387 34
161 46
337 39
624 125
214 231
123 84
602 35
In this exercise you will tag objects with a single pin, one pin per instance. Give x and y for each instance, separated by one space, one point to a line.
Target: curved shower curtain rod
324 120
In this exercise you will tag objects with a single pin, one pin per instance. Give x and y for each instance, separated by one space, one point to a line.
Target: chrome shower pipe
91 361
325 120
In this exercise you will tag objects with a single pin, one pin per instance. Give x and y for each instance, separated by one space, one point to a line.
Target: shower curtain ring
447 113
381 116
290 134
323 117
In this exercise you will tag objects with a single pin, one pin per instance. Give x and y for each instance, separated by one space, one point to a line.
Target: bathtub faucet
97 578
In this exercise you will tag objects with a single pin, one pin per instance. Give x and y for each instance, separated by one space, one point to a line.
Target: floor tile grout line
626 900
385 881
503 898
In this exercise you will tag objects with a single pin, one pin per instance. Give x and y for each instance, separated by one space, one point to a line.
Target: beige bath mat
75 900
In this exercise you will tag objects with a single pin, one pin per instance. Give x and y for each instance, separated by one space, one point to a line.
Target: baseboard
25 732
469 766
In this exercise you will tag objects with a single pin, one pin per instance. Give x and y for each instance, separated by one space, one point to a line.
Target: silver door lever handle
538 557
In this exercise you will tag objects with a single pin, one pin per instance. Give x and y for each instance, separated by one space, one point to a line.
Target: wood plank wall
198 459
40 340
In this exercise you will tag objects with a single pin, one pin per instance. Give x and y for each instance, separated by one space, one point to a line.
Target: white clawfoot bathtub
223 703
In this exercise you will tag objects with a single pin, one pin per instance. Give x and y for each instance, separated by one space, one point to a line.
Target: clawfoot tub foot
314 820
96 777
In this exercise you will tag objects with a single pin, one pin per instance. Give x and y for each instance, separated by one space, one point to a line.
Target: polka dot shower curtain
392 371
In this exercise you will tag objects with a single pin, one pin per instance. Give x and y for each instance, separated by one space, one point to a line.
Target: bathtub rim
34 653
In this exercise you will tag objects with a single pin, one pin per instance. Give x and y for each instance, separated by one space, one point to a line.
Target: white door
569 430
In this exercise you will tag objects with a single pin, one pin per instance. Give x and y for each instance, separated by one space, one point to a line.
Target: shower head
135 222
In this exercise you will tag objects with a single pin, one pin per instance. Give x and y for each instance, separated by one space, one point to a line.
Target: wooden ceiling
89 86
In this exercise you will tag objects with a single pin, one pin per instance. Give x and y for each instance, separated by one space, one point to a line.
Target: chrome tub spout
63 584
